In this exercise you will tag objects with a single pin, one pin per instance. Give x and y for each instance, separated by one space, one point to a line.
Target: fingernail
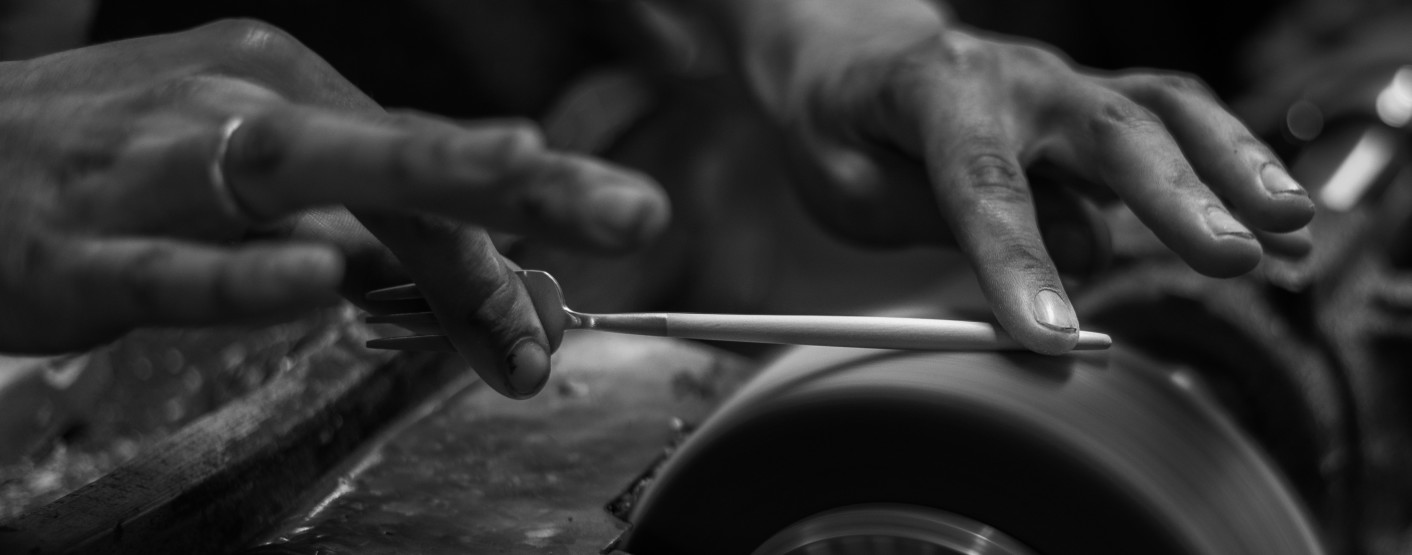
1278 182
627 215
527 367
1222 224
1051 311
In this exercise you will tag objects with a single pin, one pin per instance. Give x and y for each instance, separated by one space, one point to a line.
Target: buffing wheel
882 529
833 450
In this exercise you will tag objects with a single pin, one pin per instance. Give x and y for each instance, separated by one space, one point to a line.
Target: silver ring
225 197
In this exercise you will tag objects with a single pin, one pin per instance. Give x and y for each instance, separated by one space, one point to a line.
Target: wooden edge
220 481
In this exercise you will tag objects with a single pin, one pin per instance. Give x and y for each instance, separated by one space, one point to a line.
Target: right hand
109 221
916 130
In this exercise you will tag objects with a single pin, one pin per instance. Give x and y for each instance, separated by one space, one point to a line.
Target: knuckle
254 38
1243 139
1180 176
1120 116
251 42
491 304
919 69
1029 261
1180 83
411 153
1164 86
996 177
964 52
534 194
510 153
1036 56
511 149
521 138
501 299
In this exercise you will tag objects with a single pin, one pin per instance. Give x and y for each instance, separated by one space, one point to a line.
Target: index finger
985 197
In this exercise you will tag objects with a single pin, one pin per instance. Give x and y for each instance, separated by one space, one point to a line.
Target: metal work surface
128 396
226 476
485 474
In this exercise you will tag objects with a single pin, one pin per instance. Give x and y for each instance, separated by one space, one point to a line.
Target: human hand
921 132
109 219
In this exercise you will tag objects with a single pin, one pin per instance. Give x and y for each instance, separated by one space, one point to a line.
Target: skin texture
108 220
912 129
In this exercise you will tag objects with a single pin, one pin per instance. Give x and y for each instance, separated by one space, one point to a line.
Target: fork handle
874 332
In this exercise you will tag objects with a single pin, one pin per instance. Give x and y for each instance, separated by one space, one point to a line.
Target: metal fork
837 331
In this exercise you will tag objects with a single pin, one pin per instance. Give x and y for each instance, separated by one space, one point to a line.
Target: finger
984 196
418 122
1223 152
161 180
1293 244
496 175
368 265
1126 147
160 185
1395 293
125 283
481 304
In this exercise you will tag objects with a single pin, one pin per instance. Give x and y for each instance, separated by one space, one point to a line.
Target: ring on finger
225 196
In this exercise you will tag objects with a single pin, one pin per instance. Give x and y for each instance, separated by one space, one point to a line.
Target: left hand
133 166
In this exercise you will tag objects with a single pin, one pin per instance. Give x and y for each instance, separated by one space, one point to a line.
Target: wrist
787 49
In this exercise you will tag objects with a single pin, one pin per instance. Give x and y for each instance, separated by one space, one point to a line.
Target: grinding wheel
855 451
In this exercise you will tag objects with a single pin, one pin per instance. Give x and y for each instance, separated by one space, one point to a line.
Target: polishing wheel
855 451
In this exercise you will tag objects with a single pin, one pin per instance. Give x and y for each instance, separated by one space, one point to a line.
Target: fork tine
413 343
394 293
416 322
403 318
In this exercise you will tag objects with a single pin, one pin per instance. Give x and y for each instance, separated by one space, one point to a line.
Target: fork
837 331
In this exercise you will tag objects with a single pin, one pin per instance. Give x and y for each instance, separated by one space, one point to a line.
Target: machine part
1255 348
1100 453
884 529
621 505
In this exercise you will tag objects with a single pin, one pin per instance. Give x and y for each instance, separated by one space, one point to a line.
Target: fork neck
638 323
